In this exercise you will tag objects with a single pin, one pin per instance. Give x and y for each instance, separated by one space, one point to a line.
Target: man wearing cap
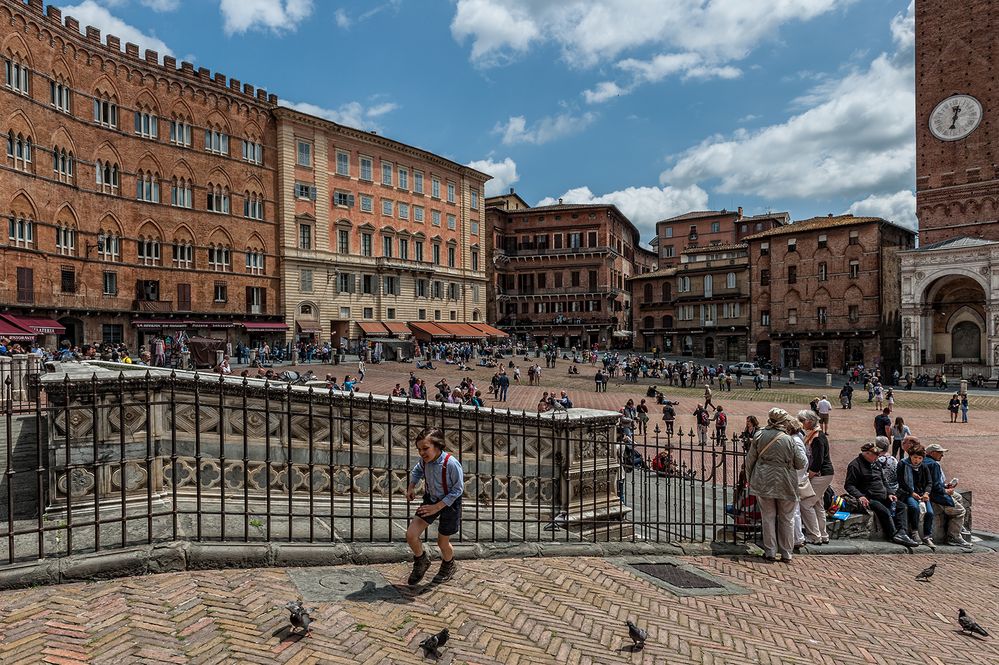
865 481
943 494
823 408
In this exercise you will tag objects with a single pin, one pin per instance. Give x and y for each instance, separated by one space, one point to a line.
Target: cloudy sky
657 106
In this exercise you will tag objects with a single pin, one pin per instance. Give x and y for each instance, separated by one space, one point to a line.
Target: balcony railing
556 320
534 250
60 300
152 305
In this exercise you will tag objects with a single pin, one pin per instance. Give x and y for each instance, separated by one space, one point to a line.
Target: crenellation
272 98
93 34
204 73
187 67
152 56
248 89
219 78
73 25
113 42
132 50
261 94
35 5
234 85
170 62
54 13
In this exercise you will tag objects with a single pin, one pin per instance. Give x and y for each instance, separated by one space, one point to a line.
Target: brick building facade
139 196
825 293
950 285
561 271
375 233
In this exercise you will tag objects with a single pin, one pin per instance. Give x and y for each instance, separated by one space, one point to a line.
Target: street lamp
101 239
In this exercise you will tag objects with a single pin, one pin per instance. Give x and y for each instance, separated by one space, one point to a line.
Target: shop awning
211 324
13 331
159 324
463 331
428 329
489 330
397 327
264 326
309 326
373 328
39 326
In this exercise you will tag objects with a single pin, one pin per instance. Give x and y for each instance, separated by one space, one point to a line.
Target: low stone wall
864 526
124 432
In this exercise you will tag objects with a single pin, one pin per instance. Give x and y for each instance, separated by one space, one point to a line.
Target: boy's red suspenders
447 456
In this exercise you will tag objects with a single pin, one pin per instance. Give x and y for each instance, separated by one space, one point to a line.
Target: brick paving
925 412
841 610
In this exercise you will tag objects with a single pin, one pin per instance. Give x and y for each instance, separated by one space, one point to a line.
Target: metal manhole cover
673 575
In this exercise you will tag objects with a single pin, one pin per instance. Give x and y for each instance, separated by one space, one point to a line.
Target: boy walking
443 484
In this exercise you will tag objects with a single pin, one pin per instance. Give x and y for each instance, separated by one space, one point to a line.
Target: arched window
147 186
648 322
63 164
183 254
253 205
65 239
20 231
105 110
667 291
180 131
17 76
255 261
146 123
19 151
218 199
216 141
109 245
107 177
60 95
180 193
730 280
148 250
219 258
647 294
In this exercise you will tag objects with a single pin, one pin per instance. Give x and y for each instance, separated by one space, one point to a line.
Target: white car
745 368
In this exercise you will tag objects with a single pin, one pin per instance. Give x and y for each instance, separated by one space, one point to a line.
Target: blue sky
657 106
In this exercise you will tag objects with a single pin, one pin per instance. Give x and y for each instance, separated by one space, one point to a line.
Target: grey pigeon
927 573
968 625
637 635
300 617
432 644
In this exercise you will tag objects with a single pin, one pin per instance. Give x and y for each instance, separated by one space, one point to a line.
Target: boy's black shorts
450 517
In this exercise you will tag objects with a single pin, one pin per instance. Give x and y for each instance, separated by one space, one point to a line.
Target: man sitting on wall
865 481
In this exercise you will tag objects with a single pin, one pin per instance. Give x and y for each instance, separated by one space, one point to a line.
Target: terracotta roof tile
816 223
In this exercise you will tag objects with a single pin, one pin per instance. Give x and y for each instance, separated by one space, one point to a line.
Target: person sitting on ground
866 482
944 495
564 400
543 403
914 484
223 367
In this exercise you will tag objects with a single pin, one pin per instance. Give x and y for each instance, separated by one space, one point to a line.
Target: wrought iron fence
128 458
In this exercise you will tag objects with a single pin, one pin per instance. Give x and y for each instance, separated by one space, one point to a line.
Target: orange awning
489 330
397 327
463 331
373 328
428 329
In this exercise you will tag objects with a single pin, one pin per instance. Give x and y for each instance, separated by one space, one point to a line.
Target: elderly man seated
948 500
866 482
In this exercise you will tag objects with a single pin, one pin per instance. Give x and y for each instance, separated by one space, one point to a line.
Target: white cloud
594 31
855 137
278 16
899 207
687 65
89 12
342 18
903 28
549 128
351 114
644 206
504 174
603 91
161 5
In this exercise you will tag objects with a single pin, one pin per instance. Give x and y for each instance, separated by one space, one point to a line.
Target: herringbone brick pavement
849 610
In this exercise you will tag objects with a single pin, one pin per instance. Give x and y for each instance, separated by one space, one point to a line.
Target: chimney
560 201
511 190
740 212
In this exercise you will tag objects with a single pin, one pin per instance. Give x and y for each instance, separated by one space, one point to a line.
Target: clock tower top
957 119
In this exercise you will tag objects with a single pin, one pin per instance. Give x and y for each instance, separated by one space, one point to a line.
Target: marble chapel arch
950 285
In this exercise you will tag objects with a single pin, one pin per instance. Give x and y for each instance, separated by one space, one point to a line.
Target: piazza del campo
693 358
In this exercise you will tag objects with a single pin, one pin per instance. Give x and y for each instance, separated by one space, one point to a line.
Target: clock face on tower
955 117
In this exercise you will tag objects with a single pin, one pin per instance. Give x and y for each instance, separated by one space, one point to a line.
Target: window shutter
312 193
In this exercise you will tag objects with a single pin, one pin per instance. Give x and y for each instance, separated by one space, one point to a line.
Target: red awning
373 328
40 326
397 327
159 324
463 331
489 330
264 326
10 329
309 326
428 329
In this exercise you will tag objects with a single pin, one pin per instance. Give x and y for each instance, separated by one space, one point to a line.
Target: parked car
744 367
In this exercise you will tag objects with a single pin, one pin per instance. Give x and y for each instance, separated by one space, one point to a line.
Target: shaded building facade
560 272
139 194
825 293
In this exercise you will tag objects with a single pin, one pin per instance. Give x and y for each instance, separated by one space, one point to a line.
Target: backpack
722 419
704 418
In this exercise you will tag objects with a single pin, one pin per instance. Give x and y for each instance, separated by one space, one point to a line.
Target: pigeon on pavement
927 574
637 635
300 617
432 644
968 625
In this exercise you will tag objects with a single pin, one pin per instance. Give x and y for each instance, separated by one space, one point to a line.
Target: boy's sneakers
929 542
960 542
446 572
421 564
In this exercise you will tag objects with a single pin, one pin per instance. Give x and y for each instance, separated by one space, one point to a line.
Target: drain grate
676 576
